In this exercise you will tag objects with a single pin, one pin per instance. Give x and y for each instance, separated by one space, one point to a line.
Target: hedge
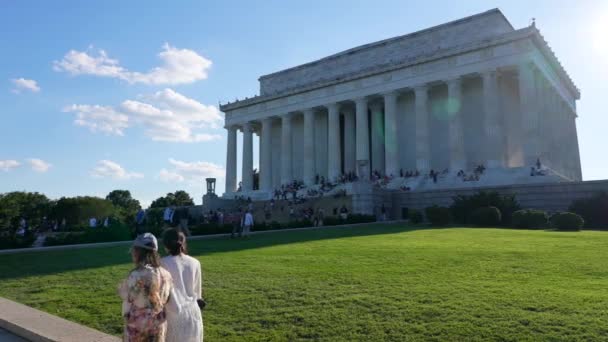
529 219
567 221
12 242
594 210
463 206
486 216
416 216
438 216
115 232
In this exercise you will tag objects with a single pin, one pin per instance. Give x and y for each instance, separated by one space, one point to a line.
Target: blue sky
126 92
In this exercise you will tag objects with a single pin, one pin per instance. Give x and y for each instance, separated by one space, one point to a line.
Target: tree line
38 210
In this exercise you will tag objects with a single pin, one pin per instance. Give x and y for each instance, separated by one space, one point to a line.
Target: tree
78 210
126 205
15 205
180 198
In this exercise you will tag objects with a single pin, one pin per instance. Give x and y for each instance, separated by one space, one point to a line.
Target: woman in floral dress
145 293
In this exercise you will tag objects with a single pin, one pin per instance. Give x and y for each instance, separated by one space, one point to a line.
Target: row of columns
556 131
386 147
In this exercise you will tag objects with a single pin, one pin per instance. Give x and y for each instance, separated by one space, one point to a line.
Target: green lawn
361 284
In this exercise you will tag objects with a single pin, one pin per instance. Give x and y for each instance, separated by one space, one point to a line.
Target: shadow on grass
52 262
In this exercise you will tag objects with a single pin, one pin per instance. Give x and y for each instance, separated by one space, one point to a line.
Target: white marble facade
469 92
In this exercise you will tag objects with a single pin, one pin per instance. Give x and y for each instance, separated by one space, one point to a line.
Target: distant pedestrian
140 217
343 213
383 213
320 217
220 217
247 223
236 220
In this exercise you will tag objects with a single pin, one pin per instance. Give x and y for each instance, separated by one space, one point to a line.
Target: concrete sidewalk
37 326
199 237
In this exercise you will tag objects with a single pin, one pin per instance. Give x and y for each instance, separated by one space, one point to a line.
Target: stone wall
551 197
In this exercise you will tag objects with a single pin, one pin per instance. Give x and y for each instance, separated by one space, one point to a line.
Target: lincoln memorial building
475 101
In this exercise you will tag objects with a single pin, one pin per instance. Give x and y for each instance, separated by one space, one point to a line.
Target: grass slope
361 284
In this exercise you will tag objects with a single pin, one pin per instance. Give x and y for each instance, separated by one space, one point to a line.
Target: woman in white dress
184 319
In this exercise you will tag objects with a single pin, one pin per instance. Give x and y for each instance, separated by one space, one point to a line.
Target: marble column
494 154
545 113
422 134
333 141
455 126
349 141
529 111
247 164
309 147
555 133
377 137
266 155
362 139
567 142
578 173
231 160
391 145
286 175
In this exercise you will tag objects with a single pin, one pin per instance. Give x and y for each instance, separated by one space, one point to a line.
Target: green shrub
567 221
529 219
593 210
439 216
210 228
463 206
115 232
486 216
360 218
14 242
415 216
333 221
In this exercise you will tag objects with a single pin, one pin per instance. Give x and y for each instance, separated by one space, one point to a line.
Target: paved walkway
6 336
35 325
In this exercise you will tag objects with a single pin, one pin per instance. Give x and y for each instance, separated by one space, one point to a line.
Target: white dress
184 319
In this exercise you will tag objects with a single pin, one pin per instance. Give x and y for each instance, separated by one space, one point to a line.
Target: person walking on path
184 319
247 223
236 219
145 293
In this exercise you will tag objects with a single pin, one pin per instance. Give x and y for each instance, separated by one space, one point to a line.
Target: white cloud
194 172
25 84
7 165
99 118
179 66
170 177
110 169
165 116
39 165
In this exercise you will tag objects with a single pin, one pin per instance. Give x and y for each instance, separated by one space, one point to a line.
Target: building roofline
390 40
472 46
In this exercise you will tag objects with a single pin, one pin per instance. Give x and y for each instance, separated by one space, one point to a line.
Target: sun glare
600 36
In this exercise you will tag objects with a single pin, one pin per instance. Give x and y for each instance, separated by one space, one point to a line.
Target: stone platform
34 325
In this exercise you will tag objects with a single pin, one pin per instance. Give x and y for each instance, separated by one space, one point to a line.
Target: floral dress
145 293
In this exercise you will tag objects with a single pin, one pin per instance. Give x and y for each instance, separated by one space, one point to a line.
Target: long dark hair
146 257
175 241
